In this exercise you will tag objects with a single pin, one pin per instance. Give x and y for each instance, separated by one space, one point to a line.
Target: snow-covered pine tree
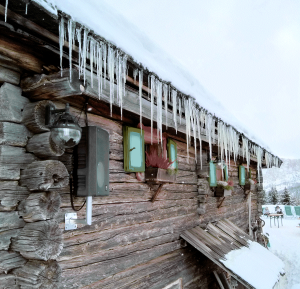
285 197
273 196
263 197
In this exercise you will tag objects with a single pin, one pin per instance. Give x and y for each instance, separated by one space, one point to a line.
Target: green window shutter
226 173
134 149
242 175
172 153
212 175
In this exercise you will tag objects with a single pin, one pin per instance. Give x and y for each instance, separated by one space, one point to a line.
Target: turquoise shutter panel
134 149
212 175
242 175
226 173
172 153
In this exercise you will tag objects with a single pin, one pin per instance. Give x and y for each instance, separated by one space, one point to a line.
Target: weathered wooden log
11 194
14 134
8 281
66 159
17 156
12 159
39 240
8 75
42 145
38 274
11 102
9 63
40 206
9 227
21 53
43 86
10 260
84 275
34 116
201 209
45 175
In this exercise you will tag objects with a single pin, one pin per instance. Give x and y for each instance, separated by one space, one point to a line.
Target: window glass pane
173 156
135 149
212 175
242 175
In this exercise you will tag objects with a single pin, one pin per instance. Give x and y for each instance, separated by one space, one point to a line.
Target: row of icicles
108 62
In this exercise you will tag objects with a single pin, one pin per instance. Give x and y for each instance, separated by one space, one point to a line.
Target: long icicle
5 13
84 52
187 126
71 29
152 80
61 41
174 102
140 95
92 51
159 109
199 135
165 90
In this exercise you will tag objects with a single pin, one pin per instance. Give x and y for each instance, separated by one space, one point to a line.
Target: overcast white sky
244 52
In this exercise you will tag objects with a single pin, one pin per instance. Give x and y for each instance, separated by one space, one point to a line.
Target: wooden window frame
126 142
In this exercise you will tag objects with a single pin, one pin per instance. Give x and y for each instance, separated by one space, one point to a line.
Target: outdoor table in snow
275 216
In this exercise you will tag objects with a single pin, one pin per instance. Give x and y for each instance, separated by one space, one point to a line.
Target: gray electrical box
91 163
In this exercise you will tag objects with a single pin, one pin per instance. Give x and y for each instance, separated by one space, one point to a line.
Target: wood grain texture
34 116
43 146
14 134
11 194
11 102
39 240
9 76
45 175
38 274
10 260
39 207
12 160
8 281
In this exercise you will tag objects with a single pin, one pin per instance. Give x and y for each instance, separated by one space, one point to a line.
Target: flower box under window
221 192
158 175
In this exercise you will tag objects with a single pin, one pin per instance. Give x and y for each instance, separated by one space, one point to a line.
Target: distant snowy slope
288 175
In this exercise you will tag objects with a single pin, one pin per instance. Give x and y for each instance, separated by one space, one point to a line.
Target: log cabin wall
132 243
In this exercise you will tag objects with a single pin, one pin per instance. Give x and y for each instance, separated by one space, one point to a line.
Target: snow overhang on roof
235 252
105 41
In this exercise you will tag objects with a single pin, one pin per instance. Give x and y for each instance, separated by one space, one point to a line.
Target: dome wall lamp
65 131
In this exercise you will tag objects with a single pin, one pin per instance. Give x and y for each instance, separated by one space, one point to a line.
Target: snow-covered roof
102 20
235 252
256 265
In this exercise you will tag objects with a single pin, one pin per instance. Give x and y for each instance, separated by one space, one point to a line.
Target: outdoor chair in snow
297 211
288 211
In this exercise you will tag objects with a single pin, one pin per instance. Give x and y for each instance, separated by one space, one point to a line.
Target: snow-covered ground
285 243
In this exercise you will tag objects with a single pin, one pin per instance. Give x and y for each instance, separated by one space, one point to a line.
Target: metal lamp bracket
50 111
71 221
71 218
